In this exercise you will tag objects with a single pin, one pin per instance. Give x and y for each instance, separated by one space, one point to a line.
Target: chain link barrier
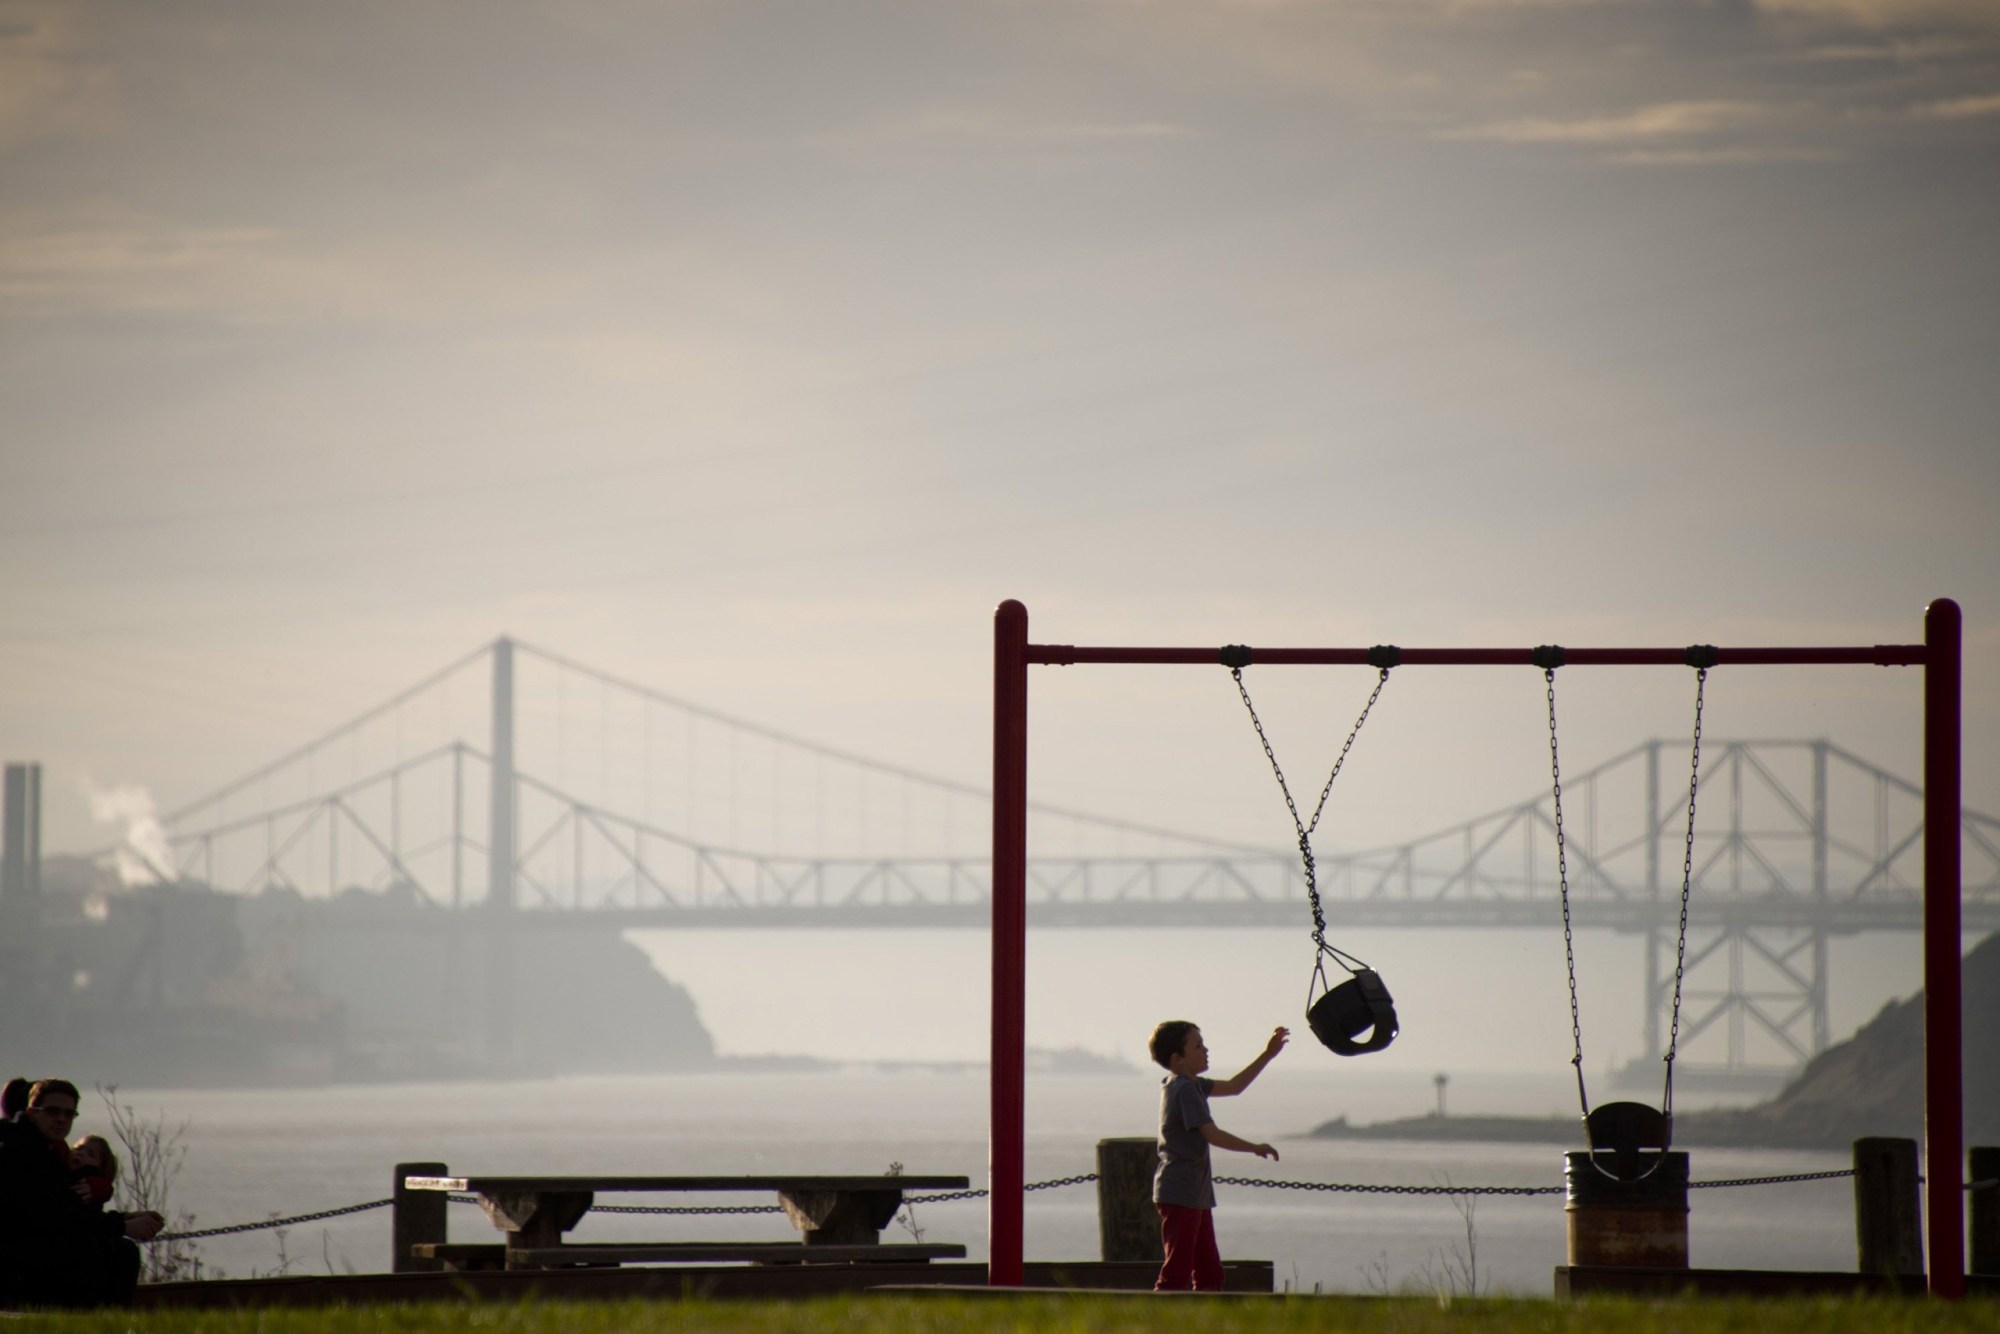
981 1194
1774 1181
1056 1183
272 1223
1353 1188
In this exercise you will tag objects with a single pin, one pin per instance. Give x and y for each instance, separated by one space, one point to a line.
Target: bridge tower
501 859
1788 1000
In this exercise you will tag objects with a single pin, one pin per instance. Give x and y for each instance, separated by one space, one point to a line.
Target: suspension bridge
661 813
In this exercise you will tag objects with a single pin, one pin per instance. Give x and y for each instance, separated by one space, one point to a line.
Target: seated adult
13 1099
54 1250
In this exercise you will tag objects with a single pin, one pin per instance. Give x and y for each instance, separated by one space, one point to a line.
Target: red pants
1192 1260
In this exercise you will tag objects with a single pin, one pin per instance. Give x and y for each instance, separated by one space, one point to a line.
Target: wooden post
417 1216
1985 1209
1128 1226
1888 1226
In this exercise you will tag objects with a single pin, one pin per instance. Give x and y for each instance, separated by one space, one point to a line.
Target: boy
1183 1188
93 1171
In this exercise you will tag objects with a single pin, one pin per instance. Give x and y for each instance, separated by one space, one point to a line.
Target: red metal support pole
1944 1088
1005 1154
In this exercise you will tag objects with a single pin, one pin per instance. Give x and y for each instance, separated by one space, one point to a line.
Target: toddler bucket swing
1626 1141
1357 1016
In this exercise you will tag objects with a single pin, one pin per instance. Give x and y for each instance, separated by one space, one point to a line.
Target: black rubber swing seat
1359 1005
1625 1131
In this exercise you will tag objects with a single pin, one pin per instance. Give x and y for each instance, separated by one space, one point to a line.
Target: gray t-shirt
1183 1175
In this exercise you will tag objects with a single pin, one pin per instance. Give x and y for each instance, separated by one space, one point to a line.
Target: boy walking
1183 1186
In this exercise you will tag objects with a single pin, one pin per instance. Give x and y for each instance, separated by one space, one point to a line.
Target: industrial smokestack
21 866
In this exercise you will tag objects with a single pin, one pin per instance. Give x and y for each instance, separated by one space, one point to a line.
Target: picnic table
839 1218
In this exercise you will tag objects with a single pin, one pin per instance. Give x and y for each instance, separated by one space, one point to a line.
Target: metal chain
1348 1187
1352 1188
981 1195
1687 883
1078 1180
1305 828
1562 881
1773 1181
273 1222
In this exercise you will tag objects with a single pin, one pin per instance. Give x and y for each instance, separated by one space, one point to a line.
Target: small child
1183 1186
93 1170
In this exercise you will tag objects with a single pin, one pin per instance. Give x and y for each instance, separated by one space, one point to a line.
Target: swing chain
1305 828
1701 658
1562 881
1687 878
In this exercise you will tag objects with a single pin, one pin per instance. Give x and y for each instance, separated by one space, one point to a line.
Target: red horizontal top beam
1879 655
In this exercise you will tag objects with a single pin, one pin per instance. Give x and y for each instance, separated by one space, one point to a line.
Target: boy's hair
104 1154
1169 1040
44 1087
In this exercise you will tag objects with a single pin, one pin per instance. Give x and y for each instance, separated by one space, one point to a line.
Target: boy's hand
1265 1150
1279 1037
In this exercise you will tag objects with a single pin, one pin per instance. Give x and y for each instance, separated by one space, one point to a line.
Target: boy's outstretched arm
1241 1079
1222 1139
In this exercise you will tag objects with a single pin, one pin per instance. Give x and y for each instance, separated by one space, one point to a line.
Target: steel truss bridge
1797 842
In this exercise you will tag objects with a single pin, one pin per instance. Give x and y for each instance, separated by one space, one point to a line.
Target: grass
1081 1315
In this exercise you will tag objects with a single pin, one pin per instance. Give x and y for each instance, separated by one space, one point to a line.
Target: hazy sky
757 351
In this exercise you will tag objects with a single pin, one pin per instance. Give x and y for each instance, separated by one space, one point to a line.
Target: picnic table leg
537 1218
841 1217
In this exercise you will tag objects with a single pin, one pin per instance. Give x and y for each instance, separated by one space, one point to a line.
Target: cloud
961 127
1719 157
1665 120
1900 51
47 87
1961 108
133 263
1972 14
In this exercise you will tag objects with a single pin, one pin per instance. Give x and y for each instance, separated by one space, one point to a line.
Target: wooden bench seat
705 1252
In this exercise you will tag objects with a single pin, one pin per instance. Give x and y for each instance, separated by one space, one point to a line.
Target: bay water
254 1154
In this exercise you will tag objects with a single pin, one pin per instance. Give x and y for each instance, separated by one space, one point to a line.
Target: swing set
1627 1141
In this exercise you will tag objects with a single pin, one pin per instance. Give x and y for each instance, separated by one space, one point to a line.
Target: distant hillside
1872 1084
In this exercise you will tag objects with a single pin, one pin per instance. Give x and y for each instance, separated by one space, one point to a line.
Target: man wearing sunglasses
53 1251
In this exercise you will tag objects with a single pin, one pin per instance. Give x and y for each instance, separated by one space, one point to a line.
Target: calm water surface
252 1154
